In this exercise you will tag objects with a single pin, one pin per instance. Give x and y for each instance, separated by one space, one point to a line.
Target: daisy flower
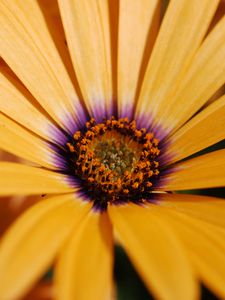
107 120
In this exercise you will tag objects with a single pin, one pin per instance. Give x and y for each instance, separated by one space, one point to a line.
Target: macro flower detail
108 105
114 161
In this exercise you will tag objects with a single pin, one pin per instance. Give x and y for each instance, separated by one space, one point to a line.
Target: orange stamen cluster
115 160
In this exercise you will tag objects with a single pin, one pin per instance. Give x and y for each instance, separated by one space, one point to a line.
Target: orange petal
210 209
202 80
205 171
18 141
181 33
18 179
155 251
30 245
50 10
18 106
135 21
84 269
30 52
205 245
205 129
86 25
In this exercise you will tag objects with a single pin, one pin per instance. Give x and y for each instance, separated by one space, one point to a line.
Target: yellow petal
135 22
181 33
17 103
18 141
84 269
205 171
204 77
155 251
18 179
210 209
205 129
86 26
30 245
205 245
50 10
31 53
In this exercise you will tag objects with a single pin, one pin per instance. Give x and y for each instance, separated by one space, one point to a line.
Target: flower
104 149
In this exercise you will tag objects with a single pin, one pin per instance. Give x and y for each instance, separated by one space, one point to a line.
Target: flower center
115 161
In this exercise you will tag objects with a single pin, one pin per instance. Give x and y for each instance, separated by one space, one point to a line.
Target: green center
115 155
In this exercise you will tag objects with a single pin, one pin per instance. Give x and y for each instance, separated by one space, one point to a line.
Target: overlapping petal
17 103
48 223
181 33
205 245
86 25
18 141
205 129
155 251
203 78
210 209
205 171
87 257
19 179
37 62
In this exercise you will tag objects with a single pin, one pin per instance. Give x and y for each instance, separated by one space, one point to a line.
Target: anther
115 160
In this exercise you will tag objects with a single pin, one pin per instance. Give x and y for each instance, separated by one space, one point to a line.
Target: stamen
115 161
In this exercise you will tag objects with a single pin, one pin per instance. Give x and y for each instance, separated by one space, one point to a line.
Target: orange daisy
107 138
